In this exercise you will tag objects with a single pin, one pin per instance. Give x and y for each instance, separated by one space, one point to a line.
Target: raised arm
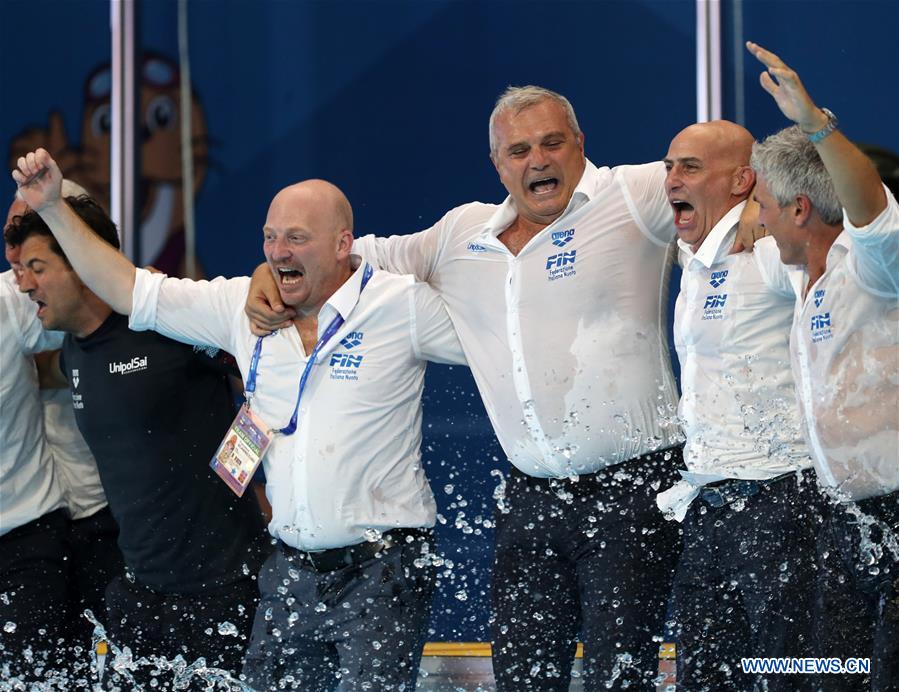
855 178
105 270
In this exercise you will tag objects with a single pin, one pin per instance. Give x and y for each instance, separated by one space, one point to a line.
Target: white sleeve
433 335
875 250
775 273
194 312
417 254
644 191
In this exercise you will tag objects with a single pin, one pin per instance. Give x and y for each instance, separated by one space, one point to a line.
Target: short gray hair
519 98
791 167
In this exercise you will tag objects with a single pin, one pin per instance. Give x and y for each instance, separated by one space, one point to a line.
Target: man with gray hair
831 217
566 339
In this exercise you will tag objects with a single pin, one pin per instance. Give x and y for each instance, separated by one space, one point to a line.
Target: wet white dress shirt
567 340
845 355
738 404
353 466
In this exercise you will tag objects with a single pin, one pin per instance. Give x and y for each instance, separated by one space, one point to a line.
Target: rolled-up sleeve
193 312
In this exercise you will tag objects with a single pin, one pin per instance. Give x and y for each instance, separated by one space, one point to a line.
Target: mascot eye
101 121
160 114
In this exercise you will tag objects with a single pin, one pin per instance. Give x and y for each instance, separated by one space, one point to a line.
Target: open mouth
544 186
683 213
41 307
289 276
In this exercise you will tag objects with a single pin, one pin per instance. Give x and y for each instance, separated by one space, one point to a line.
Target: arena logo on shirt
562 238
345 366
351 340
819 297
475 247
718 278
714 307
821 329
561 266
136 364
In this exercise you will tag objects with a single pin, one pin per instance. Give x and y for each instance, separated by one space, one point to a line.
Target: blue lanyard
336 323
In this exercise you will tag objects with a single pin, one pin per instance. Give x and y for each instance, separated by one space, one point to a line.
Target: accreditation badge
239 454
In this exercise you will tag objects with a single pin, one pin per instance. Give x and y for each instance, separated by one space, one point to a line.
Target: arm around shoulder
417 254
644 188
433 335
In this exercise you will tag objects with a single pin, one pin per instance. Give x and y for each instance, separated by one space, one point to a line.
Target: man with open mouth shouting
748 500
558 296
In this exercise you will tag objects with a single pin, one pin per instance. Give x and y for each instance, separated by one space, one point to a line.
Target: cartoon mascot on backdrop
160 195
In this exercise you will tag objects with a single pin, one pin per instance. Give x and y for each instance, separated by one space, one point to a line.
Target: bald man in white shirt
748 498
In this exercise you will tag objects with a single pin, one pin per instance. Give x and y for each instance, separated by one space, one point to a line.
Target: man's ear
344 242
802 210
744 181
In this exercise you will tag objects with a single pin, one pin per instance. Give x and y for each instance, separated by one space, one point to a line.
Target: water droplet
228 629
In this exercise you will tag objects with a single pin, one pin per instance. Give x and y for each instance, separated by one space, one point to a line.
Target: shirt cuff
144 299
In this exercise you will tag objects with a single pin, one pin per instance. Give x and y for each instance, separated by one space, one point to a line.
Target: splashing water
499 492
124 665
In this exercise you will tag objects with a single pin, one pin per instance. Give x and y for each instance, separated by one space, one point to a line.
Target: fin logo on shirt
476 247
561 265
821 328
136 364
819 297
718 278
345 366
351 340
714 306
562 238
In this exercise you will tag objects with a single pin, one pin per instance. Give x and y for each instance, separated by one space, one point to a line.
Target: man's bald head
324 200
725 140
708 175
308 234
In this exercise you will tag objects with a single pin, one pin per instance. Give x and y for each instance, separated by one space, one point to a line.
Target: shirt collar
506 213
842 244
718 242
344 299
